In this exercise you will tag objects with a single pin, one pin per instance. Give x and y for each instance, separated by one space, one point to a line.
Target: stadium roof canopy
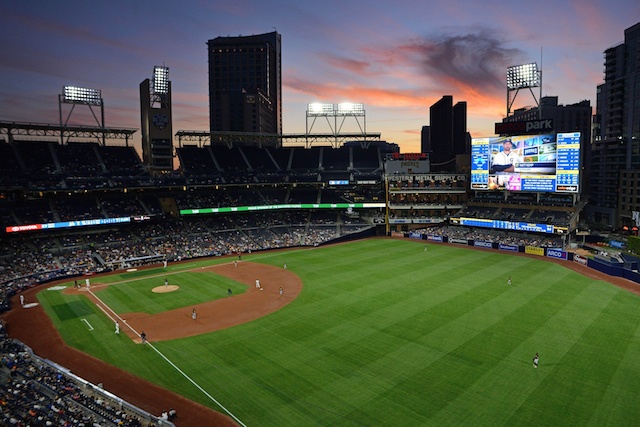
277 140
12 129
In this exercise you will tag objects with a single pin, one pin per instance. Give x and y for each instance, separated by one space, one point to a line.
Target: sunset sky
397 58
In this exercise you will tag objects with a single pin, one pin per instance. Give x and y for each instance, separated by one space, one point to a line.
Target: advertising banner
557 254
533 250
67 224
459 241
580 259
512 248
482 244
435 238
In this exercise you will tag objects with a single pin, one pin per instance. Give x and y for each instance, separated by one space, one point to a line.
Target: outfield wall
605 265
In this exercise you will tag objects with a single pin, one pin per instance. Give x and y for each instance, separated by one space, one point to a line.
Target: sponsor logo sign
14 228
415 235
580 259
534 250
512 248
557 254
483 244
435 238
459 241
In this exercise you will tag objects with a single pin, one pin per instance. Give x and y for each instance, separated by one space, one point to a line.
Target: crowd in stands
35 393
494 236
561 216
27 260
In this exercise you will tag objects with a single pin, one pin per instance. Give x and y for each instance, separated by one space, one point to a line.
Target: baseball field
377 332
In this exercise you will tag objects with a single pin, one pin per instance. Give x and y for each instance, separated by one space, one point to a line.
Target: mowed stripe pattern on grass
384 333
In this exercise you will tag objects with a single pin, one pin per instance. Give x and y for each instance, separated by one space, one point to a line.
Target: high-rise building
459 130
615 150
448 136
424 140
245 83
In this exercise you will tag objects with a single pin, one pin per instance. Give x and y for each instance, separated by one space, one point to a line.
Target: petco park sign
528 127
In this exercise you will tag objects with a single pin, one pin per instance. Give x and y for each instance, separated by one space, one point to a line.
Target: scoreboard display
548 163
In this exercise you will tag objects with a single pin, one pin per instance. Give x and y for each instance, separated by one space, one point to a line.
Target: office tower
459 129
615 150
245 83
447 133
424 140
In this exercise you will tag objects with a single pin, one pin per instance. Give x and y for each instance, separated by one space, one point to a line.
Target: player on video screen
505 160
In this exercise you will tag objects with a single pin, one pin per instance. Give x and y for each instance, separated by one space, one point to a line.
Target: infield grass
385 334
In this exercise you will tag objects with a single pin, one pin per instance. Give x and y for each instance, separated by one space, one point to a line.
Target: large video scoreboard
547 163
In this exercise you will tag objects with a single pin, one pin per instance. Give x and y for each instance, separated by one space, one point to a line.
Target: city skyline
398 59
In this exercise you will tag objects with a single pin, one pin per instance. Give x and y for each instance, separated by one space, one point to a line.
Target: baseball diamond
360 325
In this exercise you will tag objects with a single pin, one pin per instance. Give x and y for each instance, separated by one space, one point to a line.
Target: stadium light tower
343 110
156 121
159 84
525 76
76 95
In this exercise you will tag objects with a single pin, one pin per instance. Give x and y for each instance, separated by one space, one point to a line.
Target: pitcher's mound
162 289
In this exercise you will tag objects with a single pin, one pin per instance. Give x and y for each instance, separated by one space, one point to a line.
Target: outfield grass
384 333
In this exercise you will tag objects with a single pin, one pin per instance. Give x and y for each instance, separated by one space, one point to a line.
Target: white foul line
197 385
165 358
